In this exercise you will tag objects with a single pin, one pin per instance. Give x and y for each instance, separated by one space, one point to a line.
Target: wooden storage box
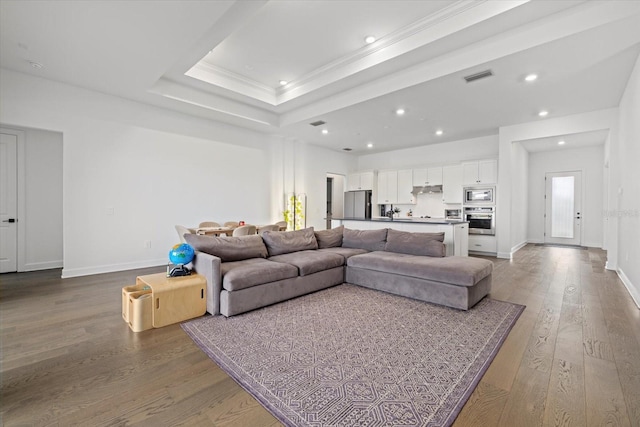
175 299
140 311
126 292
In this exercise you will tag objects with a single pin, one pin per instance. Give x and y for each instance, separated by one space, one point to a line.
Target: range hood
427 189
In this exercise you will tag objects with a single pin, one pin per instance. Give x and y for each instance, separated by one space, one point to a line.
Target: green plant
294 214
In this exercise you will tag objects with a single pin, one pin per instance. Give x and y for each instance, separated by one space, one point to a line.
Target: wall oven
482 219
479 196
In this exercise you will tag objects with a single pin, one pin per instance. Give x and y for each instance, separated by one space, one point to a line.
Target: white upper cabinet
427 176
360 181
387 187
452 184
405 187
480 172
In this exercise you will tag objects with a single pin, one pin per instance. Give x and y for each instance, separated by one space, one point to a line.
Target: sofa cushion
371 240
252 272
229 248
455 270
309 262
344 252
284 242
329 238
427 244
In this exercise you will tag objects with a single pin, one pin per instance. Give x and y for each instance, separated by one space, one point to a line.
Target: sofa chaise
248 272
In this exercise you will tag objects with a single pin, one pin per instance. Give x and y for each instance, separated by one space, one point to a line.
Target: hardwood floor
68 358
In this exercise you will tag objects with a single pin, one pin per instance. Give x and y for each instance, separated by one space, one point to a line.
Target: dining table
213 231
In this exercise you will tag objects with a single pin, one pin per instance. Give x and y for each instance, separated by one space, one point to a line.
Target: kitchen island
456 232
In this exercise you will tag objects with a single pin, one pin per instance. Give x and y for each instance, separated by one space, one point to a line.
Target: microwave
479 196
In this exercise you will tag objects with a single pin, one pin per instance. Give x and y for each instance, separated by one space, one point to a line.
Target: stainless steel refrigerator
357 204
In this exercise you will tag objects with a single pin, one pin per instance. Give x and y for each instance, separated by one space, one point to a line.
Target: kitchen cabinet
480 172
427 176
360 181
452 184
405 188
484 244
387 187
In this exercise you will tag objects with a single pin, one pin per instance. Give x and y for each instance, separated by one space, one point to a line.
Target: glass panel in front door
562 206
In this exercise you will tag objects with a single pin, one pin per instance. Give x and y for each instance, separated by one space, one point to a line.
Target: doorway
329 212
8 202
563 208
335 197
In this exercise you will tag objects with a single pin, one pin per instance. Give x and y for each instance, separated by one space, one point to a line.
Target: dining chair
271 227
182 230
282 225
232 224
209 224
244 230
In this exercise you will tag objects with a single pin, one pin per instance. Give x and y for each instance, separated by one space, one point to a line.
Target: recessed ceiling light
400 111
283 82
560 142
543 113
531 77
325 131
369 145
439 132
369 39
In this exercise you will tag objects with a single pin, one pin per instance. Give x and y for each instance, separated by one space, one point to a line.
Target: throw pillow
426 244
330 238
229 248
284 242
370 240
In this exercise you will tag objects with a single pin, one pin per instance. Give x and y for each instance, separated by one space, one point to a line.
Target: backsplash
427 205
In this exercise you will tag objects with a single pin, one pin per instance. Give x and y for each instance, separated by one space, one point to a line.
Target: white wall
519 198
150 167
434 154
589 160
627 169
43 199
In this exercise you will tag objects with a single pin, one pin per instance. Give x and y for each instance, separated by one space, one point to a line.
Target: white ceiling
235 52
571 141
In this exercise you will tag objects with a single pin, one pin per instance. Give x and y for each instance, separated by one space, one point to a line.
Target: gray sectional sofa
248 272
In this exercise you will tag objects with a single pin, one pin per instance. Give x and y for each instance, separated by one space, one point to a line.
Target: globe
182 253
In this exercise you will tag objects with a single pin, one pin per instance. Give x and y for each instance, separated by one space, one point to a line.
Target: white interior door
563 211
8 203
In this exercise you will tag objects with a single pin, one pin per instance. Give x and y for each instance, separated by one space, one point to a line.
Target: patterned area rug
351 356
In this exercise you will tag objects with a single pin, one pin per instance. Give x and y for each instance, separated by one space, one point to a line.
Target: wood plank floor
68 358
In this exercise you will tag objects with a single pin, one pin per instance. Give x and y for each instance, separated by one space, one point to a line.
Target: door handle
11 220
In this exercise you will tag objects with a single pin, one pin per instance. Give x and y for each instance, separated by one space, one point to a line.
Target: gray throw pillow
229 248
284 242
371 240
330 238
426 244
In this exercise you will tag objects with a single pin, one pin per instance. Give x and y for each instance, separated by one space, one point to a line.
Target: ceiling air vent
478 76
318 123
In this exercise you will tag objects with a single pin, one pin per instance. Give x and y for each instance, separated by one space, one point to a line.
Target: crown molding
463 13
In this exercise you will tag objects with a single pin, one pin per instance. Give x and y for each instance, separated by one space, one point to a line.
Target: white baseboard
48 265
633 291
535 241
86 271
509 255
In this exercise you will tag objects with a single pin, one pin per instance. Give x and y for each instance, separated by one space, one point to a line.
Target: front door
8 203
563 211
